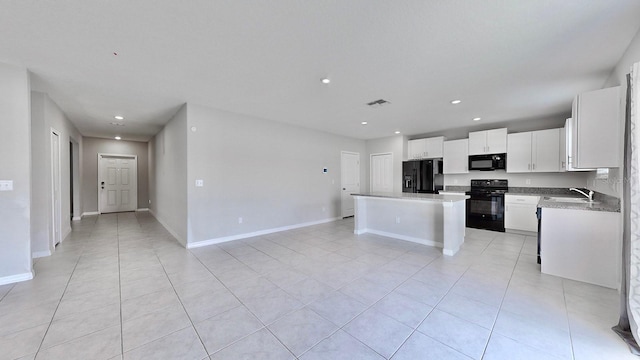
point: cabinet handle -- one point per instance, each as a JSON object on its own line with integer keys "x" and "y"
{"x": 528, "y": 166}
{"x": 533, "y": 167}
{"x": 563, "y": 165}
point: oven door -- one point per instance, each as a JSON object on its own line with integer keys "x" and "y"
{"x": 486, "y": 211}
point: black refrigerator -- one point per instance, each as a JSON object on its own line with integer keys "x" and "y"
{"x": 422, "y": 176}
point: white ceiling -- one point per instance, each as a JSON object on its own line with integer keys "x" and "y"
{"x": 506, "y": 60}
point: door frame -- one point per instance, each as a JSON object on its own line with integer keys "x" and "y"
{"x": 75, "y": 165}
{"x": 371, "y": 168}
{"x": 56, "y": 210}
{"x": 121, "y": 156}
{"x": 342, "y": 185}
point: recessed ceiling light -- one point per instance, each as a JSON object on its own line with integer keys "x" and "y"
{"x": 397, "y": 132}
{"x": 118, "y": 117}
{"x": 325, "y": 80}
{"x": 364, "y": 123}
{"x": 477, "y": 119}
{"x": 117, "y": 138}
{"x": 455, "y": 102}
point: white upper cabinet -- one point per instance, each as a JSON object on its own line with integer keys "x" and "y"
{"x": 563, "y": 150}
{"x": 535, "y": 151}
{"x": 429, "y": 148}
{"x": 595, "y": 135}
{"x": 456, "y": 157}
{"x": 488, "y": 142}
{"x": 417, "y": 149}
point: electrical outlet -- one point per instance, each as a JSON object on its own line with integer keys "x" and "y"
{"x": 199, "y": 183}
{"x": 240, "y": 220}
{"x": 527, "y": 181}
{"x": 397, "y": 219}
{"x": 455, "y": 181}
{"x": 6, "y": 185}
{"x": 324, "y": 209}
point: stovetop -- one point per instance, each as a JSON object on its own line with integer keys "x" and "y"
{"x": 489, "y": 186}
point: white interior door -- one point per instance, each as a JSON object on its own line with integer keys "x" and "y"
{"x": 350, "y": 170}
{"x": 117, "y": 183}
{"x": 56, "y": 201}
{"x": 382, "y": 172}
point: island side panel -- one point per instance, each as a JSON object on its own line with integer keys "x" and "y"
{"x": 360, "y": 215}
{"x": 454, "y": 226}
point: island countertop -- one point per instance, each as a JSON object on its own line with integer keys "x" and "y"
{"x": 414, "y": 196}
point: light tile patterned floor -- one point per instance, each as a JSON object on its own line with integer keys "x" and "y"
{"x": 121, "y": 287}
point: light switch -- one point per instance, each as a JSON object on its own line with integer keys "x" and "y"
{"x": 6, "y": 185}
{"x": 199, "y": 183}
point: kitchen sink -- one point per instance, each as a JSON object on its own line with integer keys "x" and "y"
{"x": 570, "y": 200}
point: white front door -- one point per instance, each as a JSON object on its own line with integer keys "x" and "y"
{"x": 350, "y": 166}
{"x": 56, "y": 201}
{"x": 382, "y": 172}
{"x": 117, "y": 183}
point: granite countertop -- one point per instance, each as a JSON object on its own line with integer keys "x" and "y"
{"x": 415, "y": 196}
{"x": 602, "y": 202}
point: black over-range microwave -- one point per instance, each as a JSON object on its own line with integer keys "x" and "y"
{"x": 488, "y": 162}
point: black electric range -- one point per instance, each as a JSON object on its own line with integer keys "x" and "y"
{"x": 485, "y": 208}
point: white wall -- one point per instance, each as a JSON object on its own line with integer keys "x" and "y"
{"x": 168, "y": 175}
{"x": 393, "y": 144}
{"x": 266, "y": 172}
{"x": 90, "y": 150}
{"x": 46, "y": 115}
{"x": 613, "y": 186}
{"x": 15, "y": 164}
{"x": 553, "y": 180}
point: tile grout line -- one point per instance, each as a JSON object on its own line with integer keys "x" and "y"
{"x": 60, "y": 301}
{"x": 566, "y": 308}
{"x": 502, "y": 301}
{"x": 120, "y": 287}
{"x": 245, "y": 306}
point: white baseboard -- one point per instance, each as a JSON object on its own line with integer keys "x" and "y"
{"x": 257, "y": 233}
{"x": 163, "y": 223}
{"x": 403, "y": 237}
{"x": 76, "y": 218}
{"x": 89, "y": 213}
{"x": 143, "y": 209}
{"x": 66, "y": 233}
{"x": 16, "y": 278}
{"x": 39, "y": 254}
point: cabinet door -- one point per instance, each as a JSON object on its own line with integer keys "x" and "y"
{"x": 563, "y": 150}
{"x": 417, "y": 149}
{"x": 477, "y": 142}
{"x": 434, "y": 147}
{"x": 545, "y": 152}
{"x": 497, "y": 141}
{"x": 456, "y": 157}
{"x": 520, "y": 217}
{"x": 597, "y": 123}
{"x": 519, "y": 152}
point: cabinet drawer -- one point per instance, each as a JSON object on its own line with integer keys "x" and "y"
{"x": 521, "y": 199}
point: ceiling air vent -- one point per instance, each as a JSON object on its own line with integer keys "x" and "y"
{"x": 378, "y": 103}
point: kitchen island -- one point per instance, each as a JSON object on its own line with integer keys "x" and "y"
{"x": 429, "y": 219}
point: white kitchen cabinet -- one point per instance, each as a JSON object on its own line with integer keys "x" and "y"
{"x": 434, "y": 147}
{"x": 534, "y": 151}
{"x": 456, "y": 157}
{"x": 488, "y": 142}
{"x": 417, "y": 149}
{"x": 581, "y": 245}
{"x": 563, "y": 150}
{"x": 520, "y": 212}
{"x": 595, "y": 136}
{"x": 429, "y": 148}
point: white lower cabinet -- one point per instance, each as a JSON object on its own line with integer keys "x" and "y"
{"x": 520, "y": 212}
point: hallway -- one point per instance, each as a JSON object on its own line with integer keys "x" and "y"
{"x": 121, "y": 286}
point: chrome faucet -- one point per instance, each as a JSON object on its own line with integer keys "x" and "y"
{"x": 589, "y": 196}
